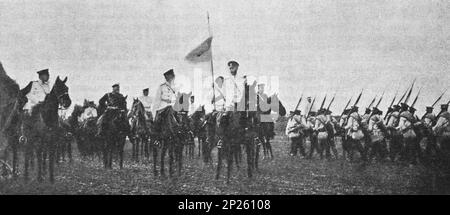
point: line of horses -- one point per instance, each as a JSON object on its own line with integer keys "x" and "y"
{"x": 43, "y": 139}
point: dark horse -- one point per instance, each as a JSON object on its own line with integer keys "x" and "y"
{"x": 115, "y": 132}
{"x": 84, "y": 132}
{"x": 235, "y": 129}
{"x": 140, "y": 131}
{"x": 199, "y": 130}
{"x": 40, "y": 127}
{"x": 170, "y": 129}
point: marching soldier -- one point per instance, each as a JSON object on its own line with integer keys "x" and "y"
{"x": 442, "y": 130}
{"x": 322, "y": 134}
{"x": 234, "y": 87}
{"x": 345, "y": 138}
{"x": 377, "y": 130}
{"x": 310, "y": 123}
{"x": 395, "y": 145}
{"x": 294, "y": 131}
{"x": 406, "y": 128}
{"x": 331, "y": 128}
{"x": 428, "y": 142}
{"x": 355, "y": 133}
{"x": 36, "y": 91}
{"x": 112, "y": 100}
{"x": 146, "y": 100}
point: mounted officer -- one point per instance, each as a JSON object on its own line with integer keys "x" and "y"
{"x": 234, "y": 87}
{"x": 36, "y": 91}
{"x": 146, "y": 101}
{"x": 165, "y": 98}
{"x": 111, "y": 100}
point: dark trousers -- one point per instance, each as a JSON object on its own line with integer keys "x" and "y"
{"x": 296, "y": 144}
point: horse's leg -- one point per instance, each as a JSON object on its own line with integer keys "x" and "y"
{"x": 69, "y": 150}
{"x": 171, "y": 158}
{"x": 51, "y": 162}
{"x": 39, "y": 156}
{"x": 121, "y": 145}
{"x": 14, "y": 158}
{"x": 257, "y": 150}
{"x": 155, "y": 158}
{"x": 180, "y": 159}
{"x": 219, "y": 162}
{"x": 163, "y": 155}
{"x": 199, "y": 140}
{"x": 27, "y": 157}
{"x": 229, "y": 154}
{"x": 250, "y": 162}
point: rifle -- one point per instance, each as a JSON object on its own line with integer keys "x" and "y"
{"x": 415, "y": 100}
{"x": 439, "y": 98}
{"x": 323, "y": 102}
{"x": 310, "y": 108}
{"x": 409, "y": 93}
{"x": 373, "y": 101}
{"x": 393, "y": 100}
{"x": 359, "y": 97}
{"x": 346, "y": 107}
{"x": 404, "y": 94}
{"x": 298, "y": 103}
{"x": 332, "y": 100}
{"x": 381, "y": 98}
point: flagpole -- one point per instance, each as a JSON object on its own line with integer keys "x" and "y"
{"x": 212, "y": 65}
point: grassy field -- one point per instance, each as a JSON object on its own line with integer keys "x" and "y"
{"x": 282, "y": 175}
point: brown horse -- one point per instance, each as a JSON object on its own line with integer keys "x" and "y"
{"x": 115, "y": 132}
{"x": 9, "y": 118}
{"x": 238, "y": 128}
{"x": 140, "y": 131}
{"x": 40, "y": 127}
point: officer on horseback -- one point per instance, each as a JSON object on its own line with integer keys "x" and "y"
{"x": 110, "y": 100}
{"x": 234, "y": 87}
{"x": 165, "y": 96}
{"x": 146, "y": 100}
{"x": 36, "y": 91}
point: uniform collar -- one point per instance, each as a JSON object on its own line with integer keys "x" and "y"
{"x": 42, "y": 83}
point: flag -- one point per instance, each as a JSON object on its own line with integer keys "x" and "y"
{"x": 202, "y": 53}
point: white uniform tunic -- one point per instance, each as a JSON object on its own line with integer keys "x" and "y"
{"x": 147, "y": 102}
{"x": 165, "y": 96}
{"x": 37, "y": 94}
{"x": 219, "y": 94}
{"x": 87, "y": 113}
{"x": 234, "y": 89}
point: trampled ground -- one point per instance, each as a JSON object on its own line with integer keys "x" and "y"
{"x": 282, "y": 175}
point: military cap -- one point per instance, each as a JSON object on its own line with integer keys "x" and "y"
{"x": 404, "y": 105}
{"x": 412, "y": 109}
{"x": 116, "y": 85}
{"x": 43, "y": 72}
{"x": 346, "y": 111}
{"x": 354, "y": 108}
{"x": 367, "y": 110}
{"x": 169, "y": 72}
{"x": 375, "y": 110}
{"x": 430, "y": 109}
{"x": 328, "y": 112}
{"x": 396, "y": 107}
{"x": 444, "y": 106}
{"x": 145, "y": 90}
{"x": 312, "y": 113}
{"x": 232, "y": 63}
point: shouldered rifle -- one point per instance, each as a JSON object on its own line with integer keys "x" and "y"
{"x": 404, "y": 94}
{"x": 346, "y": 107}
{"x": 298, "y": 104}
{"x": 323, "y": 102}
{"x": 332, "y": 100}
{"x": 359, "y": 97}
{"x": 392, "y": 103}
{"x": 438, "y": 99}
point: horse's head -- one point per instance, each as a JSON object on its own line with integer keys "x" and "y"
{"x": 61, "y": 91}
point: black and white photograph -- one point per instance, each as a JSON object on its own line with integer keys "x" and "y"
{"x": 224, "y": 98}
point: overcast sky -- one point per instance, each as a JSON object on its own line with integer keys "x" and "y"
{"x": 314, "y": 46}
